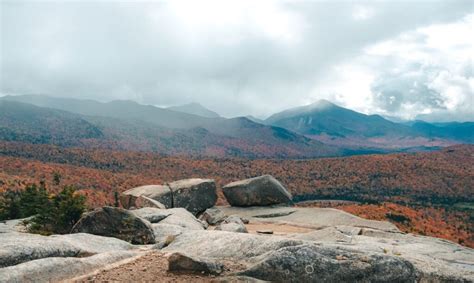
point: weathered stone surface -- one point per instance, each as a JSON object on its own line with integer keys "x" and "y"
{"x": 226, "y": 245}
{"x": 237, "y": 279}
{"x": 160, "y": 193}
{"x": 232, "y": 227}
{"x": 311, "y": 217}
{"x": 162, "y": 231}
{"x": 144, "y": 201}
{"x": 16, "y": 248}
{"x": 232, "y": 223}
{"x": 311, "y": 263}
{"x": 118, "y": 223}
{"x": 54, "y": 269}
{"x": 152, "y": 214}
{"x": 330, "y": 234}
{"x": 14, "y": 225}
{"x": 182, "y": 217}
{"x": 259, "y": 191}
{"x": 93, "y": 244}
{"x": 212, "y": 216}
{"x": 434, "y": 259}
{"x": 177, "y": 220}
{"x": 178, "y": 262}
{"x": 195, "y": 195}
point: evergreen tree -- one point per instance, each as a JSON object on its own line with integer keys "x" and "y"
{"x": 69, "y": 207}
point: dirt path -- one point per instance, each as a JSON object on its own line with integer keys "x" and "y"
{"x": 153, "y": 266}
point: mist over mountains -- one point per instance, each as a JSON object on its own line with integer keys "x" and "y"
{"x": 316, "y": 130}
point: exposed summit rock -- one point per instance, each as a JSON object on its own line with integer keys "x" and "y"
{"x": 118, "y": 223}
{"x": 259, "y": 191}
{"x": 311, "y": 263}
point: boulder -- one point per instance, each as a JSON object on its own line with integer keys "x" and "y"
{"x": 312, "y": 263}
{"x": 196, "y": 195}
{"x": 144, "y": 201}
{"x": 118, "y": 223}
{"x": 152, "y": 214}
{"x": 232, "y": 227}
{"x": 212, "y": 215}
{"x": 260, "y": 191}
{"x": 183, "y": 263}
{"x": 232, "y": 223}
{"x": 159, "y": 193}
{"x": 163, "y": 231}
{"x": 183, "y": 218}
{"x": 173, "y": 221}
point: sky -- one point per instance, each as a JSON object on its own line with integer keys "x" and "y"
{"x": 400, "y": 59}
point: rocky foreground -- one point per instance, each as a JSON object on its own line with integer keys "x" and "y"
{"x": 173, "y": 232}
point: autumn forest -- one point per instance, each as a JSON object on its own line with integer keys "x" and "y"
{"x": 426, "y": 193}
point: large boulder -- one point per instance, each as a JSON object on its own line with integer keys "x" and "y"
{"x": 118, "y": 223}
{"x": 312, "y": 263}
{"x": 212, "y": 216}
{"x": 179, "y": 262}
{"x": 152, "y": 214}
{"x": 183, "y": 218}
{"x": 159, "y": 193}
{"x": 169, "y": 222}
{"x": 144, "y": 201}
{"x": 259, "y": 191}
{"x": 196, "y": 195}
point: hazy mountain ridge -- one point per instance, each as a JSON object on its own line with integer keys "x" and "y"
{"x": 324, "y": 117}
{"x": 332, "y": 124}
{"x": 28, "y": 123}
{"x": 319, "y": 129}
{"x": 195, "y": 109}
{"x": 140, "y": 132}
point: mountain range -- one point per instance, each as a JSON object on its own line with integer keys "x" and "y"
{"x": 319, "y": 129}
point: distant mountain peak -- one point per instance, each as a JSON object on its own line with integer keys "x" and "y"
{"x": 321, "y": 104}
{"x": 195, "y": 109}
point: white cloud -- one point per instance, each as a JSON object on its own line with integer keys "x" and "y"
{"x": 362, "y": 13}
{"x": 426, "y": 73}
{"x": 242, "y": 57}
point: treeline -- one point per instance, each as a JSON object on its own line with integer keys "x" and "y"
{"x": 46, "y": 213}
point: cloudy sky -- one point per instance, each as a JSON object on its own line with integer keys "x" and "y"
{"x": 403, "y": 59}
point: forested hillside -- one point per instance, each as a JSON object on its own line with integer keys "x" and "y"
{"x": 442, "y": 180}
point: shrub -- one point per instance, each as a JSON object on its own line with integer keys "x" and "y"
{"x": 52, "y": 214}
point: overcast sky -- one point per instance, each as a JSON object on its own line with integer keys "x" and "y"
{"x": 404, "y": 59}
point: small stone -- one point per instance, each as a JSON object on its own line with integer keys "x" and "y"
{"x": 265, "y": 232}
{"x": 180, "y": 262}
